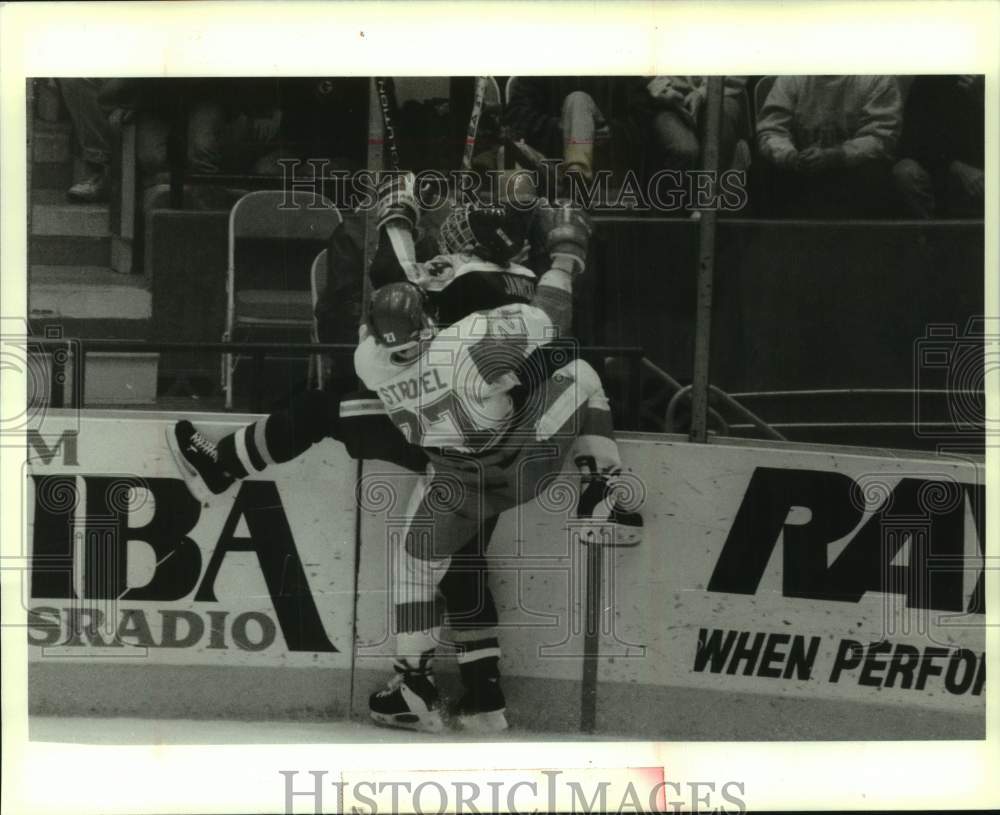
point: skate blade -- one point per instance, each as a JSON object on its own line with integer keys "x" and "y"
{"x": 426, "y": 723}
{"x": 195, "y": 484}
{"x": 492, "y": 722}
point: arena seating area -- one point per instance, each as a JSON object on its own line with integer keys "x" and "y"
{"x": 820, "y": 320}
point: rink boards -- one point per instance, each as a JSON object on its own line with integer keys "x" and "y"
{"x": 781, "y": 591}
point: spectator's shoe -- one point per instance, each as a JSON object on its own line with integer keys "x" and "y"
{"x": 93, "y": 190}
{"x": 197, "y": 458}
{"x": 410, "y": 701}
{"x": 482, "y": 708}
{"x": 607, "y": 519}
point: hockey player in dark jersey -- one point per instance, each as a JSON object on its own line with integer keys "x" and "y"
{"x": 468, "y": 257}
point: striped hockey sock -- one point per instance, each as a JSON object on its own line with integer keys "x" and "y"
{"x": 245, "y": 451}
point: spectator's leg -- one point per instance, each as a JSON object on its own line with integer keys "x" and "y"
{"x": 852, "y": 192}
{"x": 93, "y": 133}
{"x": 961, "y": 202}
{"x": 151, "y": 133}
{"x": 732, "y": 112}
{"x": 914, "y": 187}
{"x": 730, "y": 125}
{"x": 243, "y": 152}
{"x": 580, "y": 120}
{"x": 206, "y": 135}
{"x": 676, "y": 140}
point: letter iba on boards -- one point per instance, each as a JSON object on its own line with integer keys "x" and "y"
{"x": 181, "y": 571}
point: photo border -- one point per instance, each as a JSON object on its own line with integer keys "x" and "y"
{"x": 267, "y": 39}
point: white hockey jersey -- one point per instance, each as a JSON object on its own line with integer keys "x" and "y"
{"x": 456, "y": 394}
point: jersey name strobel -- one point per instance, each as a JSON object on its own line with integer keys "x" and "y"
{"x": 412, "y": 388}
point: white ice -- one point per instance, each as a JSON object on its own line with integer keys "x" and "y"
{"x": 132, "y": 731}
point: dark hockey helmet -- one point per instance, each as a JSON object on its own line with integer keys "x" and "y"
{"x": 493, "y": 233}
{"x": 397, "y": 316}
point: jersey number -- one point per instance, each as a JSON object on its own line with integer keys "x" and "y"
{"x": 444, "y": 418}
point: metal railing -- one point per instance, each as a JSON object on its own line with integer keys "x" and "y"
{"x": 726, "y": 413}
{"x": 70, "y": 356}
{"x": 827, "y": 394}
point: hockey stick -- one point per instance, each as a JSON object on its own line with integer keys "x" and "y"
{"x": 400, "y": 238}
{"x": 501, "y": 103}
{"x": 473, "y": 129}
{"x": 386, "y": 90}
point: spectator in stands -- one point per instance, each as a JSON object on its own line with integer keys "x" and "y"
{"x": 323, "y": 118}
{"x": 678, "y": 118}
{"x": 826, "y": 143}
{"x": 566, "y": 116}
{"x": 93, "y": 135}
{"x": 230, "y": 124}
{"x": 942, "y": 147}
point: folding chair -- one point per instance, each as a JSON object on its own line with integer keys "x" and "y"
{"x": 317, "y": 279}
{"x": 273, "y": 235}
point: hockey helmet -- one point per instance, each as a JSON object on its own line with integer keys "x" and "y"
{"x": 493, "y": 233}
{"x": 397, "y": 316}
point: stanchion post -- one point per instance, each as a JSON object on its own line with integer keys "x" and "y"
{"x": 591, "y": 634}
{"x": 706, "y": 267}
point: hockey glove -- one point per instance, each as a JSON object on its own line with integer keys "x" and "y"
{"x": 397, "y": 201}
{"x": 567, "y": 230}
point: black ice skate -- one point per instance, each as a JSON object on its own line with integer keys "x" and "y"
{"x": 606, "y": 519}
{"x": 197, "y": 458}
{"x": 482, "y": 708}
{"x": 409, "y": 701}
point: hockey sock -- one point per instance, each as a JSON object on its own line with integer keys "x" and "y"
{"x": 471, "y": 611}
{"x": 280, "y": 437}
{"x": 240, "y": 452}
{"x": 478, "y": 659}
{"x": 415, "y": 614}
{"x": 415, "y": 649}
{"x": 596, "y": 449}
{"x": 479, "y": 666}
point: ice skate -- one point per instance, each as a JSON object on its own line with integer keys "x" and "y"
{"x": 197, "y": 458}
{"x": 600, "y": 514}
{"x": 410, "y": 701}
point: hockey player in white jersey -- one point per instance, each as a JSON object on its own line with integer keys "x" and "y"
{"x": 497, "y": 407}
{"x": 473, "y": 269}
